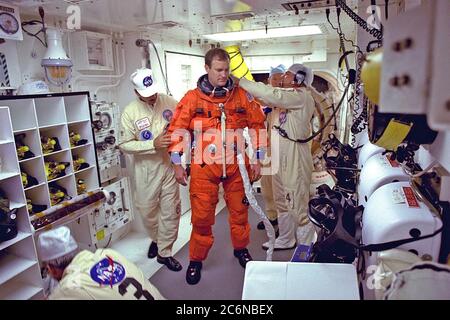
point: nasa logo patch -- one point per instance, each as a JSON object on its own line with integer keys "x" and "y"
{"x": 146, "y": 135}
{"x": 108, "y": 272}
{"x": 148, "y": 81}
{"x": 250, "y": 97}
{"x": 168, "y": 115}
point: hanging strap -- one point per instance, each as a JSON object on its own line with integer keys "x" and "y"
{"x": 394, "y": 244}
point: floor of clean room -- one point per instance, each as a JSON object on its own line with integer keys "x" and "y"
{"x": 134, "y": 245}
{"x": 222, "y": 276}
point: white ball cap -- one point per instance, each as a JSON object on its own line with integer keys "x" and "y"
{"x": 309, "y": 78}
{"x": 144, "y": 82}
{"x": 56, "y": 243}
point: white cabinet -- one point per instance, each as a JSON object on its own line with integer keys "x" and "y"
{"x": 439, "y": 115}
{"x": 28, "y": 121}
{"x": 19, "y": 267}
{"x": 92, "y": 51}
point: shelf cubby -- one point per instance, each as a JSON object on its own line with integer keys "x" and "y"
{"x": 24, "y": 286}
{"x": 12, "y": 190}
{"x": 59, "y": 132}
{"x": 38, "y": 196}
{"x": 63, "y": 156}
{"x": 16, "y": 259}
{"x": 76, "y": 110}
{"x": 20, "y": 236}
{"x": 23, "y": 115}
{"x": 83, "y": 129}
{"x": 8, "y": 161}
{"x": 23, "y": 222}
{"x": 6, "y": 130}
{"x": 87, "y": 153}
{"x": 67, "y": 183}
{"x": 34, "y": 168}
{"x": 50, "y": 111}
{"x": 90, "y": 178}
{"x": 31, "y": 139}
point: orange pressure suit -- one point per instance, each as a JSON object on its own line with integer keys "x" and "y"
{"x": 200, "y": 113}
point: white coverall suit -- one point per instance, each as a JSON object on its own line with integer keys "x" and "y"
{"x": 157, "y": 196}
{"x": 103, "y": 275}
{"x": 293, "y": 110}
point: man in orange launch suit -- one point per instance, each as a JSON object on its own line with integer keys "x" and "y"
{"x": 214, "y": 112}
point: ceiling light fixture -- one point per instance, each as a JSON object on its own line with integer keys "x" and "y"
{"x": 265, "y": 33}
{"x": 57, "y": 65}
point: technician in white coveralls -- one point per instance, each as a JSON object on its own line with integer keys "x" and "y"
{"x": 103, "y": 275}
{"x": 293, "y": 110}
{"x": 143, "y": 135}
{"x": 275, "y": 80}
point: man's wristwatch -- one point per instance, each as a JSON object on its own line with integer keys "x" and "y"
{"x": 260, "y": 153}
{"x": 175, "y": 157}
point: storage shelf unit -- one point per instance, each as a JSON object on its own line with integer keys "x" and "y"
{"x": 29, "y": 119}
{"x": 19, "y": 270}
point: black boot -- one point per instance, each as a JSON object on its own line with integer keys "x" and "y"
{"x": 243, "y": 256}
{"x": 260, "y": 226}
{"x": 275, "y": 226}
{"x": 193, "y": 273}
{"x": 152, "y": 250}
{"x": 170, "y": 263}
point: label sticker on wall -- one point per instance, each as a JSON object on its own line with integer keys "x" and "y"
{"x": 398, "y": 196}
{"x": 100, "y": 235}
{"x": 392, "y": 163}
{"x": 410, "y": 198}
